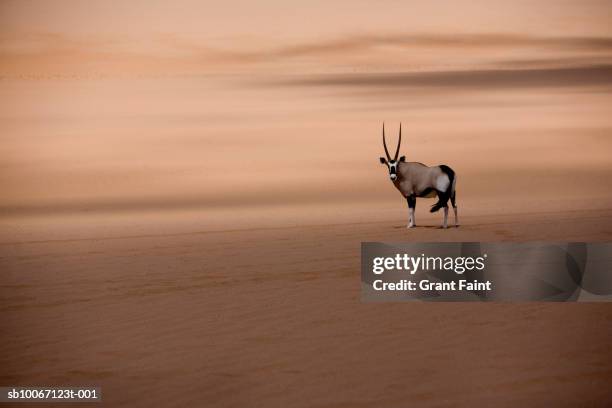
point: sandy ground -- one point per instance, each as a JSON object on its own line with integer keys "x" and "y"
{"x": 272, "y": 317}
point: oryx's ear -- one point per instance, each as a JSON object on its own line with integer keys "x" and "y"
{"x": 383, "y": 160}
{"x": 403, "y": 158}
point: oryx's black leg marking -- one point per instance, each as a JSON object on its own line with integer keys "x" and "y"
{"x": 411, "y": 201}
{"x": 411, "y": 207}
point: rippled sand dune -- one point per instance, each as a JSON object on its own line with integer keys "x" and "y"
{"x": 272, "y": 316}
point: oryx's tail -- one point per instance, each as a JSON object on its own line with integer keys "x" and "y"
{"x": 438, "y": 205}
{"x": 444, "y": 196}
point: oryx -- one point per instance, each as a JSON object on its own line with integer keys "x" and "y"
{"x": 414, "y": 179}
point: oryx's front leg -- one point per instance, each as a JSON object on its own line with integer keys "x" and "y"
{"x": 411, "y": 207}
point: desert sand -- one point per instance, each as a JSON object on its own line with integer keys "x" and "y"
{"x": 273, "y": 317}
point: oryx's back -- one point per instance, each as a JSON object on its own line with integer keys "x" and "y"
{"x": 417, "y": 177}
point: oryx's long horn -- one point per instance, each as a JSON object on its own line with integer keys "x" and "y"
{"x": 399, "y": 142}
{"x": 385, "y": 143}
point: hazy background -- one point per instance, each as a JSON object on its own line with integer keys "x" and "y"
{"x": 267, "y": 112}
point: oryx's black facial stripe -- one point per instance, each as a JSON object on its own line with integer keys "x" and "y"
{"x": 393, "y": 167}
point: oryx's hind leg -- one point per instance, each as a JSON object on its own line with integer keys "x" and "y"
{"x": 443, "y": 197}
{"x": 452, "y": 199}
{"x": 411, "y": 207}
{"x": 445, "y": 224}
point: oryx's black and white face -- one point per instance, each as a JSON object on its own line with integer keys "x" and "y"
{"x": 392, "y": 164}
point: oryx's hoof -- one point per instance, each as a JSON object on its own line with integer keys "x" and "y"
{"x": 411, "y": 226}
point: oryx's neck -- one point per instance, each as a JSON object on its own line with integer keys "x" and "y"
{"x": 399, "y": 175}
